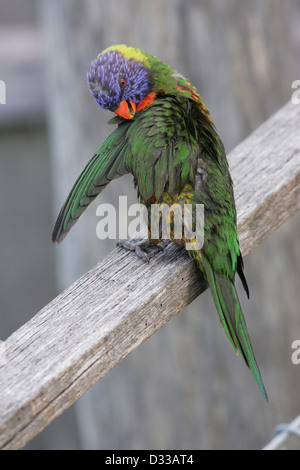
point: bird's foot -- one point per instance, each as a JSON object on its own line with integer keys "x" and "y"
{"x": 140, "y": 247}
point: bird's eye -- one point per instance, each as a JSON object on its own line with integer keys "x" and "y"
{"x": 122, "y": 82}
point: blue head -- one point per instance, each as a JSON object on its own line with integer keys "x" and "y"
{"x": 120, "y": 74}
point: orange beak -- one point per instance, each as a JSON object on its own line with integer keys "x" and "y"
{"x": 126, "y": 109}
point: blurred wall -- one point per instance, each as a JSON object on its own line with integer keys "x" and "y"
{"x": 27, "y": 277}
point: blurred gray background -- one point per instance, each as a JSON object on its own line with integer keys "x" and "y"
{"x": 183, "y": 388}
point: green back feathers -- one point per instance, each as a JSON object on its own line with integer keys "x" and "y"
{"x": 163, "y": 151}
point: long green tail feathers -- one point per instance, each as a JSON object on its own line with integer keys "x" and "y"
{"x": 232, "y": 319}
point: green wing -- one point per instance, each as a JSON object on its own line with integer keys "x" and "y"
{"x": 106, "y": 164}
{"x": 156, "y": 147}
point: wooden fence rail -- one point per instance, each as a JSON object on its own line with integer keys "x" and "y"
{"x": 52, "y": 360}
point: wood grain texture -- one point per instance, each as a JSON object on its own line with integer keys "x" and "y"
{"x": 77, "y": 338}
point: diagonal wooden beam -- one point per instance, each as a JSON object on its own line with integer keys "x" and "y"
{"x": 51, "y": 361}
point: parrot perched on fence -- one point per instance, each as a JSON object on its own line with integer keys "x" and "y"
{"x": 167, "y": 140}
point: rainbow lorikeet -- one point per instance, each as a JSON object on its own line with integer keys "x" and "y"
{"x": 167, "y": 140}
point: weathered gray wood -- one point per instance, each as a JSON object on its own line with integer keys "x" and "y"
{"x": 76, "y": 339}
{"x": 266, "y": 202}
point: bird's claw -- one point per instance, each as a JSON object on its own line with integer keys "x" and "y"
{"x": 139, "y": 246}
